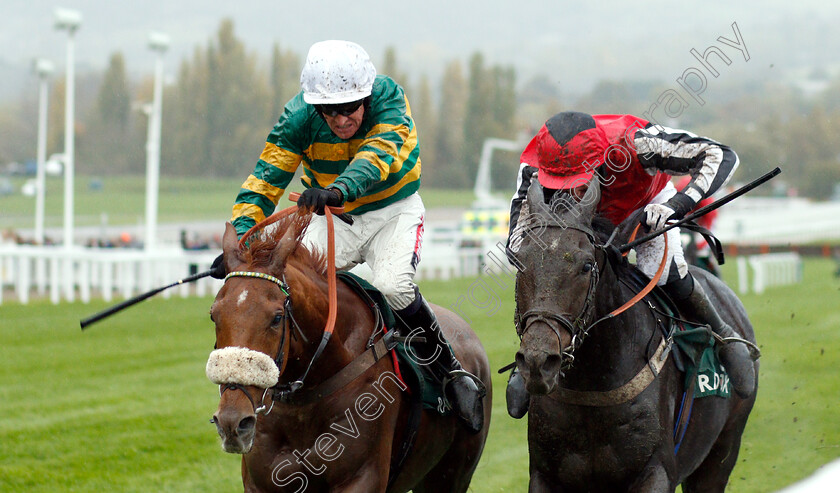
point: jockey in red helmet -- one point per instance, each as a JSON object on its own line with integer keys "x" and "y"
{"x": 634, "y": 160}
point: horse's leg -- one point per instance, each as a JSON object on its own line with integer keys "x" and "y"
{"x": 455, "y": 469}
{"x": 247, "y": 484}
{"x": 713, "y": 473}
{"x": 540, "y": 484}
{"x": 655, "y": 480}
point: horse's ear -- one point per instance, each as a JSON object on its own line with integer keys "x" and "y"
{"x": 590, "y": 199}
{"x": 285, "y": 246}
{"x": 230, "y": 247}
{"x": 535, "y": 194}
{"x": 229, "y": 241}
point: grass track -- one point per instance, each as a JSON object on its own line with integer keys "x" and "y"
{"x": 125, "y": 405}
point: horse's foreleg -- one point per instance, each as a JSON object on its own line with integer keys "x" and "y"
{"x": 540, "y": 484}
{"x": 656, "y": 479}
{"x": 247, "y": 484}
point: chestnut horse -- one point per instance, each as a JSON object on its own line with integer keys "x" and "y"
{"x": 605, "y": 392}
{"x": 280, "y": 406}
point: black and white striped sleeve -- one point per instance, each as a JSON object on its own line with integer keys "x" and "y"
{"x": 523, "y": 181}
{"x": 678, "y": 152}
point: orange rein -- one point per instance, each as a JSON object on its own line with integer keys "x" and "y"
{"x": 641, "y": 294}
{"x": 331, "y": 280}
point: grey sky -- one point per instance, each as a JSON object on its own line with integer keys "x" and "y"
{"x": 575, "y": 43}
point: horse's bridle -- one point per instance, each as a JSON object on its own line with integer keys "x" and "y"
{"x": 286, "y": 392}
{"x": 578, "y": 327}
{"x": 283, "y": 346}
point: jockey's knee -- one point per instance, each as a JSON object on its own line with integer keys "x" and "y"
{"x": 399, "y": 291}
{"x": 680, "y": 288}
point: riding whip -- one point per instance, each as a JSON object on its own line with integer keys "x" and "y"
{"x": 129, "y": 302}
{"x": 703, "y": 210}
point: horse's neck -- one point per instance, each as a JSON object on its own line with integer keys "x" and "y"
{"x": 310, "y": 307}
{"x": 612, "y": 347}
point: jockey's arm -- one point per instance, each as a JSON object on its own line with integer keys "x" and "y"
{"x": 262, "y": 190}
{"x": 678, "y": 152}
{"x": 387, "y": 148}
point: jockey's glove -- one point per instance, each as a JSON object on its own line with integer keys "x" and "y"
{"x": 317, "y": 198}
{"x": 657, "y": 215}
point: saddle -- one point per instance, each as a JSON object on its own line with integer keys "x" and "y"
{"x": 416, "y": 377}
{"x": 694, "y": 344}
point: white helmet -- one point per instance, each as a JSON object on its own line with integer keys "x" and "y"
{"x": 336, "y": 72}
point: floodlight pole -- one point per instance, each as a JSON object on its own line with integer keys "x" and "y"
{"x": 159, "y": 43}
{"x": 69, "y": 20}
{"x": 43, "y": 68}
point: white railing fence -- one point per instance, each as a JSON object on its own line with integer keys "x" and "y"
{"x": 769, "y": 269}
{"x": 61, "y": 274}
{"x": 67, "y": 274}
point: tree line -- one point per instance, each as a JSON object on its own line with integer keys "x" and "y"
{"x": 225, "y": 99}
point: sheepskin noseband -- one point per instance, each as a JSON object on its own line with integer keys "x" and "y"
{"x": 243, "y": 366}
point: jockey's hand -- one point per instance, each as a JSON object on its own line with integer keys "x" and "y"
{"x": 217, "y": 269}
{"x": 657, "y": 215}
{"x": 317, "y": 198}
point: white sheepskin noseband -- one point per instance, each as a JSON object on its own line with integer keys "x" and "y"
{"x": 243, "y": 366}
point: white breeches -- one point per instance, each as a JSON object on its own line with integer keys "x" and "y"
{"x": 389, "y": 240}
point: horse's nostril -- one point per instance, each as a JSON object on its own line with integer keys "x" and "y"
{"x": 552, "y": 364}
{"x": 520, "y": 359}
{"x": 521, "y": 363}
{"x": 247, "y": 423}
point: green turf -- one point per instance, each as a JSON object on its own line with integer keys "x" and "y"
{"x": 125, "y": 405}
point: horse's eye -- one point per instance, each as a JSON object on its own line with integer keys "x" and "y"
{"x": 587, "y": 267}
{"x": 277, "y": 320}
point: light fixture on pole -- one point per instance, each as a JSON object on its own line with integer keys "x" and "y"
{"x": 68, "y": 20}
{"x": 43, "y": 68}
{"x": 159, "y": 43}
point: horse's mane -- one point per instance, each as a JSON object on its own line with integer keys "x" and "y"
{"x": 603, "y": 229}
{"x": 260, "y": 247}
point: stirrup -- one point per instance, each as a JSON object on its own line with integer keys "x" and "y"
{"x": 453, "y": 374}
{"x": 754, "y": 351}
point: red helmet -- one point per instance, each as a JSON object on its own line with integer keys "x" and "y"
{"x": 566, "y": 150}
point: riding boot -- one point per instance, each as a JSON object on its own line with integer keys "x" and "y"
{"x": 516, "y": 395}
{"x": 463, "y": 390}
{"x": 733, "y": 350}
